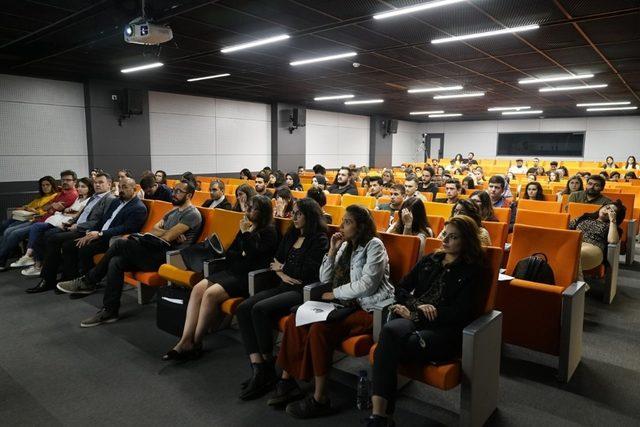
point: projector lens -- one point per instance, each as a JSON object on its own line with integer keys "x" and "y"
{"x": 129, "y": 30}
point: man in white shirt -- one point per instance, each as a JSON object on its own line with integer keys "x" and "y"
{"x": 519, "y": 168}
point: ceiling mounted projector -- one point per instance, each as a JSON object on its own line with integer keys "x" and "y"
{"x": 141, "y": 31}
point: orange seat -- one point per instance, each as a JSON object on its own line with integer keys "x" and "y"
{"x": 334, "y": 199}
{"x": 438, "y": 209}
{"x": 436, "y": 222}
{"x": 299, "y": 194}
{"x": 200, "y": 197}
{"x": 498, "y": 232}
{"x": 539, "y": 205}
{"x": 547, "y": 220}
{"x": 336, "y": 212}
{"x": 366, "y": 201}
{"x": 431, "y": 245}
{"x": 502, "y": 214}
{"x": 381, "y": 219}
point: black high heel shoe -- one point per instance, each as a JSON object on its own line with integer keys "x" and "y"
{"x": 176, "y": 355}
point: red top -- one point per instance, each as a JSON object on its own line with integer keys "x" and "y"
{"x": 67, "y": 197}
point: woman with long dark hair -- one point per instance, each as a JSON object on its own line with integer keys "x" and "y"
{"x": 631, "y": 163}
{"x": 244, "y": 193}
{"x": 296, "y": 263}
{"x": 292, "y": 181}
{"x": 434, "y": 303}
{"x": 413, "y": 221}
{"x": 609, "y": 163}
{"x": 246, "y": 174}
{"x": 161, "y": 177}
{"x": 387, "y": 178}
{"x": 47, "y": 191}
{"x": 469, "y": 208}
{"x": 573, "y": 184}
{"x": 533, "y": 191}
{"x": 284, "y": 203}
{"x": 357, "y": 266}
{"x": 252, "y": 249}
{"x": 485, "y": 207}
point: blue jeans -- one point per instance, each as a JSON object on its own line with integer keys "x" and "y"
{"x": 11, "y": 239}
{"x": 36, "y": 235}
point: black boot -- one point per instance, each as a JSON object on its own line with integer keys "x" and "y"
{"x": 262, "y": 381}
{"x": 42, "y": 286}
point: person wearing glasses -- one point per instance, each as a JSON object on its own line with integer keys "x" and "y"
{"x": 217, "y": 200}
{"x": 178, "y": 229}
{"x": 296, "y": 263}
{"x": 433, "y": 303}
{"x": 252, "y": 249}
{"x": 12, "y": 237}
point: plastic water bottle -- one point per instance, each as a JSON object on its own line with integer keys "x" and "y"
{"x": 363, "y": 391}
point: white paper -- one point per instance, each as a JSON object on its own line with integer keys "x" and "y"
{"x": 504, "y": 278}
{"x": 313, "y": 311}
{"x": 173, "y": 300}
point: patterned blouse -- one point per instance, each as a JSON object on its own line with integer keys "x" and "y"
{"x": 593, "y": 231}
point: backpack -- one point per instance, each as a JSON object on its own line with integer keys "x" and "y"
{"x": 535, "y": 268}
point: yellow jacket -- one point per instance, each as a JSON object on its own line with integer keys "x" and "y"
{"x": 38, "y": 203}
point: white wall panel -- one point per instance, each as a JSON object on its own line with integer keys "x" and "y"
{"x": 42, "y": 128}
{"x": 173, "y": 134}
{"x": 407, "y": 143}
{"x": 336, "y": 139}
{"x": 243, "y": 110}
{"x": 326, "y": 118}
{"x": 162, "y": 102}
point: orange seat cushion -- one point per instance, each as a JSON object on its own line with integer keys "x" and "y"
{"x": 282, "y": 323}
{"x": 178, "y": 276}
{"x": 444, "y": 376}
{"x": 357, "y": 346}
{"x": 97, "y": 258}
{"x": 150, "y": 278}
{"x": 231, "y": 305}
{"x": 130, "y": 279}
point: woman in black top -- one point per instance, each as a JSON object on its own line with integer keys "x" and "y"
{"x": 533, "y": 191}
{"x": 434, "y": 303}
{"x": 244, "y": 193}
{"x": 252, "y": 249}
{"x": 297, "y": 263}
{"x": 292, "y": 180}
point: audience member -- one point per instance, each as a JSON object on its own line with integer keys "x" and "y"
{"x": 161, "y": 177}
{"x": 553, "y": 176}
{"x": 276, "y": 180}
{"x": 452, "y": 189}
{"x": 519, "y": 168}
{"x": 387, "y": 178}
{"x": 573, "y": 184}
{"x": 427, "y": 185}
{"x": 178, "y": 229}
{"x": 319, "y": 170}
{"x": 434, "y": 303}
{"x": 398, "y": 194}
{"x": 497, "y": 188}
{"x": 468, "y": 183}
{"x": 479, "y": 174}
{"x": 261, "y": 185}
{"x": 320, "y": 182}
{"x": 470, "y": 209}
{"x": 342, "y": 184}
{"x": 292, "y": 180}
{"x": 218, "y": 199}
{"x": 320, "y": 198}
{"x": 296, "y": 263}
{"x": 592, "y": 193}
{"x": 630, "y": 175}
{"x": 615, "y": 176}
{"x": 375, "y": 187}
{"x": 562, "y": 172}
{"x": 413, "y": 221}
{"x": 485, "y": 207}
{"x": 252, "y": 249}
{"x": 533, "y": 191}
{"x": 300, "y": 170}
{"x": 609, "y": 163}
{"x": 411, "y": 188}
{"x": 47, "y": 191}
{"x": 284, "y": 203}
{"x": 631, "y": 164}
{"x": 246, "y": 174}
{"x": 154, "y": 191}
{"x": 469, "y": 160}
{"x": 243, "y": 193}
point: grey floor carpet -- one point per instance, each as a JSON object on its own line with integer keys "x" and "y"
{"x": 52, "y": 372}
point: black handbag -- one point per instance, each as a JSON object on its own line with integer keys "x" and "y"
{"x": 172, "y": 308}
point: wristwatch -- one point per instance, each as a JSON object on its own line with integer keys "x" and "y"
{"x": 100, "y": 234}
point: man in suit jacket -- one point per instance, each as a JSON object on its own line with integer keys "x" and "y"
{"x": 75, "y": 248}
{"x": 217, "y": 200}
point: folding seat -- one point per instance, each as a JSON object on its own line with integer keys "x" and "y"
{"x": 548, "y": 220}
{"x": 299, "y": 194}
{"x": 362, "y": 191}
{"x": 230, "y": 189}
{"x": 431, "y": 245}
{"x": 366, "y": 201}
{"x": 334, "y": 199}
{"x": 381, "y": 219}
{"x": 539, "y": 205}
{"x": 428, "y": 195}
{"x": 542, "y": 317}
{"x": 477, "y": 371}
{"x": 336, "y": 212}
{"x": 438, "y": 209}
{"x": 502, "y": 214}
{"x": 199, "y": 197}
{"x": 231, "y": 198}
{"x": 436, "y": 222}
{"x": 498, "y": 232}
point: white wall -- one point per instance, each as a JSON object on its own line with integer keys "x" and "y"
{"x": 42, "y": 128}
{"x": 407, "y": 143}
{"x": 336, "y": 139}
{"x": 208, "y": 135}
{"x": 617, "y": 136}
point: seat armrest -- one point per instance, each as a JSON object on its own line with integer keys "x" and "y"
{"x": 314, "y": 291}
{"x": 175, "y": 259}
{"x": 380, "y": 310}
{"x": 260, "y": 280}
{"x": 631, "y": 242}
{"x": 571, "y": 322}
{"x": 611, "y": 272}
{"x": 481, "y": 345}
{"x": 213, "y": 265}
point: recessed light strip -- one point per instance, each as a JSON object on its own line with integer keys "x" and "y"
{"x": 255, "y": 43}
{"x": 413, "y": 9}
{"x": 197, "y": 79}
{"x": 513, "y": 113}
{"x": 508, "y": 108}
{"x": 612, "y": 108}
{"x": 364, "y": 101}
{"x": 461, "y": 95}
{"x": 603, "y": 104}
{"x": 142, "y": 67}
{"x": 486, "y": 34}
{"x": 435, "y": 89}
{"x": 561, "y": 88}
{"x": 446, "y": 115}
{"x": 331, "y": 97}
{"x": 420, "y": 113}
{"x": 322, "y": 59}
{"x": 555, "y": 79}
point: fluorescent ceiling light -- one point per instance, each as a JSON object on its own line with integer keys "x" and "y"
{"x": 560, "y": 88}
{"x": 142, "y": 67}
{"x": 255, "y": 43}
{"x": 435, "y": 89}
{"x": 603, "y": 104}
{"x": 555, "y": 79}
{"x": 446, "y": 115}
{"x": 364, "y": 101}
{"x": 419, "y": 113}
{"x": 461, "y": 95}
{"x": 612, "y": 108}
{"x": 487, "y": 34}
{"x": 323, "y": 58}
{"x": 197, "y": 79}
{"x": 508, "y": 108}
{"x": 328, "y": 98}
{"x": 513, "y": 113}
{"x": 413, "y": 9}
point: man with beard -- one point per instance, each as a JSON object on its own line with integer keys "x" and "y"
{"x": 261, "y": 185}
{"x": 178, "y": 229}
{"x": 342, "y": 184}
{"x": 592, "y": 194}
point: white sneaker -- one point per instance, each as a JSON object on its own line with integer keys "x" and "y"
{"x": 32, "y": 271}
{"x": 25, "y": 261}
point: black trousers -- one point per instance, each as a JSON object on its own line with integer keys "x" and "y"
{"x": 123, "y": 255}
{"x": 256, "y": 316}
{"x": 400, "y": 344}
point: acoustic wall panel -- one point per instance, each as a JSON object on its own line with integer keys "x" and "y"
{"x": 407, "y": 143}
{"x": 336, "y": 139}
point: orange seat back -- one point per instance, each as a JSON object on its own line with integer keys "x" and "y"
{"x": 362, "y": 191}
{"x": 436, "y": 222}
{"x": 539, "y": 205}
{"x": 208, "y": 218}
{"x": 627, "y": 199}
{"x": 230, "y": 189}
{"x": 366, "y": 201}
{"x": 299, "y": 194}
{"x": 336, "y": 212}
{"x": 502, "y": 214}
{"x": 438, "y": 209}
{"x": 231, "y": 198}
{"x": 486, "y": 295}
{"x": 334, "y": 199}
{"x": 548, "y": 220}
{"x": 199, "y": 197}
{"x": 381, "y": 219}
{"x": 561, "y": 247}
{"x": 498, "y": 231}
{"x": 427, "y": 195}
{"x": 403, "y": 252}
{"x": 226, "y": 225}
{"x": 155, "y": 211}
{"x": 576, "y": 210}
{"x": 431, "y": 245}
{"x": 283, "y": 225}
